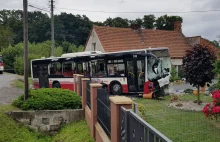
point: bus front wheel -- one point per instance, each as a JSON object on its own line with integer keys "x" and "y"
{"x": 56, "y": 85}
{"x": 116, "y": 88}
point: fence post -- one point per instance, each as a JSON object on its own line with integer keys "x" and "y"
{"x": 84, "y": 85}
{"x": 79, "y": 85}
{"x": 136, "y": 108}
{"x": 74, "y": 82}
{"x": 116, "y": 103}
{"x": 93, "y": 90}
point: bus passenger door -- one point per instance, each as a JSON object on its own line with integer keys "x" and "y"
{"x": 136, "y": 74}
{"x": 132, "y": 83}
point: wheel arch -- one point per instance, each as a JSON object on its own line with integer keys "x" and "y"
{"x": 55, "y": 81}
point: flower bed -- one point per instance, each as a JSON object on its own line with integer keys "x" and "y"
{"x": 212, "y": 110}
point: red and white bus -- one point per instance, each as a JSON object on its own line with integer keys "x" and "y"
{"x": 132, "y": 71}
{"x": 55, "y": 72}
{"x": 1, "y": 65}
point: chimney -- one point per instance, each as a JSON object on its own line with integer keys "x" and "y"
{"x": 178, "y": 26}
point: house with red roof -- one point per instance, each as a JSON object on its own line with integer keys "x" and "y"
{"x": 112, "y": 39}
{"x": 204, "y": 42}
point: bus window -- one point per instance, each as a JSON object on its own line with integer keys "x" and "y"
{"x": 86, "y": 70}
{"x": 98, "y": 68}
{"x": 39, "y": 69}
{"x": 56, "y": 68}
{"x": 36, "y": 70}
{"x": 68, "y": 69}
{"x": 80, "y": 68}
{"x": 116, "y": 68}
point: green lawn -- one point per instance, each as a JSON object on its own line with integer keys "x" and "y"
{"x": 20, "y": 84}
{"x": 10, "y": 131}
{"x": 178, "y": 125}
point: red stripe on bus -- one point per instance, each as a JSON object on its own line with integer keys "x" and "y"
{"x": 148, "y": 87}
{"x": 69, "y": 86}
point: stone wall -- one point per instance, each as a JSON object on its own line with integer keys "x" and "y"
{"x": 47, "y": 120}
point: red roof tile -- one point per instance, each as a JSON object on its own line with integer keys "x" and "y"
{"x": 118, "y": 39}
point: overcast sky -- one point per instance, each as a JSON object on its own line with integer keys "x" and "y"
{"x": 206, "y": 24}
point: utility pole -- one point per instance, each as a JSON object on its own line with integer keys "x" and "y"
{"x": 25, "y": 22}
{"x": 52, "y": 28}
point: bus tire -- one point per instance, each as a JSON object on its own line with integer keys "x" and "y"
{"x": 1, "y": 72}
{"x": 56, "y": 85}
{"x": 116, "y": 88}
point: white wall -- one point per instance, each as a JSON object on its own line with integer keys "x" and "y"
{"x": 177, "y": 61}
{"x": 94, "y": 39}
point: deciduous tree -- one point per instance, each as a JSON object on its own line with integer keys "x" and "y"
{"x": 198, "y": 65}
{"x": 6, "y": 37}
{"x": 167, "y": 22}
{"x": 149, "y": 21}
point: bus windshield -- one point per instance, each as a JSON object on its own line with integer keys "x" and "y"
{"x": 158, "y": 69}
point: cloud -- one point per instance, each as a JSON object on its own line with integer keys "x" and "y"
{"x": 204, "y": 24}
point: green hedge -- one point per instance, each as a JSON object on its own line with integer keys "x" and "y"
{"x": 49, "y": 99}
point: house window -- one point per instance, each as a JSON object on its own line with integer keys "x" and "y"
{"x": 93, "y": 46}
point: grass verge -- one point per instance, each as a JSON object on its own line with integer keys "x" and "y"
{"x": 179, "y": 125}
{"x": 20, "y": 83}
{"x": 75, "y": 132}
{"x": 16, "y": 132}
{"x": 10, "y": 131}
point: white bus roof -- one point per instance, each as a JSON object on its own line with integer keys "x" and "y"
{"x": 136, "y": 50}
{"x": 81, "y": 53}
{"x": 94, "y": 53}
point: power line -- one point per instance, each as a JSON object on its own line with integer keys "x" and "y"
{"x": 38, "y": 8}
{"x": 130, "y": 12}
{"x": 57, "y": 9}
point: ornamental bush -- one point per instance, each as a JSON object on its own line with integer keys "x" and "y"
{"x": 198, "y": 66}
{"x": 49, "y": 99}
{"x": 212, "y": 110}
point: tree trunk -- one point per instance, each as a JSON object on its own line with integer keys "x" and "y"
{"x": 198, "y": 97}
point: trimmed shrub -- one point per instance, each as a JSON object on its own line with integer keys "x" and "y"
{"x": 189, "y": 91}
{"x": 49, "y": 99}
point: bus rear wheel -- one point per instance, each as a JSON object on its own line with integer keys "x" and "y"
{"x": 116, "y": 88}
{"x": 56, "y": 85}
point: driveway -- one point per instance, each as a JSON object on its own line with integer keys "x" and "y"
{"x": 178, "y": 88}
{"x": 7, "y": 92}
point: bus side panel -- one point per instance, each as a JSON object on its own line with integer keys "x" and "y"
{"x": 36, "y": 84}
{"x": 125, "y": 88}
{"x": 148, "y": 87}
{"x": 65, "y": 83}
{"x": 69, "y": 86}
{"x": 107, "y": 81}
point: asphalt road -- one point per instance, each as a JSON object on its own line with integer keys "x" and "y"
{"x": 7, "y": 92}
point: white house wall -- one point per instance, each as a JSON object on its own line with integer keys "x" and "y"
{"x": 94, "y": 39}
{"x": 177, "y": 61}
